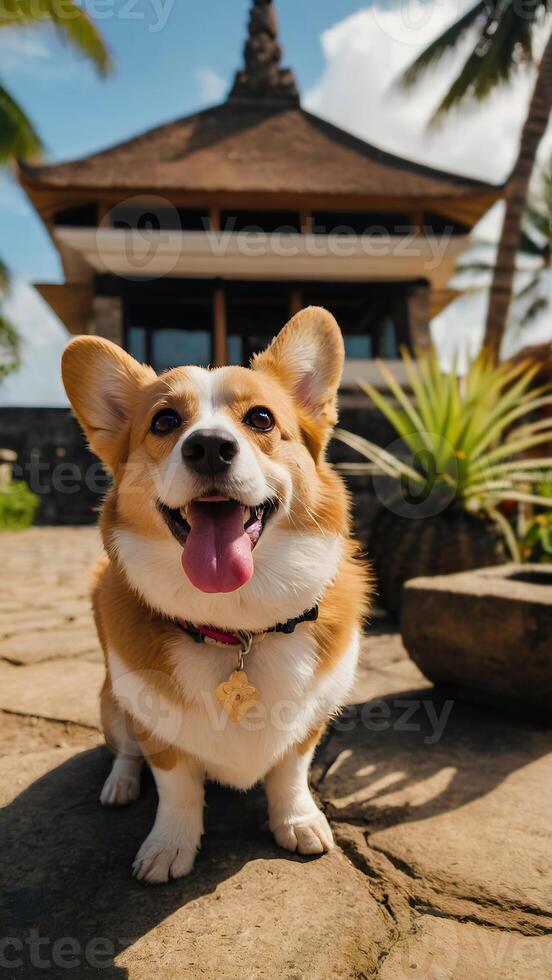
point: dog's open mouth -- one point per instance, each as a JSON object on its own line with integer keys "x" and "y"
{"x": 218, "y": 536}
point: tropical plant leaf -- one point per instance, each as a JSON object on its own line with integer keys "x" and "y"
{"x": 481, "y": 429}
{"x": 444, "y": 44}
{"x": 9, "y": 347}
{"x": 4, "y": 277}
{"x": 18, "y": 137}
{"x": 507, "y": 531}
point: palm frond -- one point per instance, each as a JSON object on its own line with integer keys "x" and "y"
{"x": 18, "y": 137}
{"x": 9, "y": 347}
{"x": 70, "y": 21}
{"x": 4, "y": 277}
{"x": 504, "y": 36}
{"x": 493, "y": 61}
{"x": 442, "y": 45}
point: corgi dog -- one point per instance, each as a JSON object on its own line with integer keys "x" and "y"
{"x": 230, "y": 600}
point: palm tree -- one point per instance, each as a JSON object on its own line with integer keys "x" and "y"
{"x": 531, "y": 295}
{"x": 504, "y": 40}
{"x": 18, "y": 137}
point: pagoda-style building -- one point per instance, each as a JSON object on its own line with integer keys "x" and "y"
{"x": 194, "y": 242}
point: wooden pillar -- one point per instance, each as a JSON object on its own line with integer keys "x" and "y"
{"x": 418, "y": 307}
{"x": 220, "y": 337}
{"x": 295, "y": 302}
{"x": 107, "y": 319}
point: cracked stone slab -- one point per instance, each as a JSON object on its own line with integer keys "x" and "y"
{"x": 247, "y": 910}
{"x": 49, "y": 644}
{"x": 384, "y": 667}
{"x": 458, "y": 817}
{"x": 64, "y": 690}
{"x": 440, "y": 949}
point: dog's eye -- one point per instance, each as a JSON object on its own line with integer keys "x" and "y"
{"x": 260, "y": 419}
{"x": 165, "y": 421}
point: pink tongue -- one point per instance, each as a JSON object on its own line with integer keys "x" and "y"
{"x": 217, "y": 555}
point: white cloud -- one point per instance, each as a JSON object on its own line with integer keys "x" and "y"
{"x": 365, "y": 55}
{"x": 21, "y": 43}
{"x": 35, "y": 53}
{"x": 43, "y": 339}
{"x": 212, "y": 86}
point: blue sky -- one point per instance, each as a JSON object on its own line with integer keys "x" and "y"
{"x": 172, "y": 57}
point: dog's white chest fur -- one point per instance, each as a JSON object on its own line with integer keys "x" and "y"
{"x": 294, "y": 698}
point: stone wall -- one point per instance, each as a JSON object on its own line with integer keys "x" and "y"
{"x": 53, "y": 459}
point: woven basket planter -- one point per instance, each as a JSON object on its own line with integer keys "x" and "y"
{"x": 402, "y": 548}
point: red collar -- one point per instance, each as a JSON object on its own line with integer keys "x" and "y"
{"x": 242, "y": 638}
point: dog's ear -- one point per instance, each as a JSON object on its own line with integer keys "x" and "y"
{"x": 308, "y": 357}
{"x": 103, "y": 382}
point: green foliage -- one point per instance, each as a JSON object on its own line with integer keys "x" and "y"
{"x": 9, "y": 340}
{"x": 503, "y": 38}
{"x": 536, "y": 545}
{"x": 18, "y": 506}
{"x": 18, "y": 136}
{"x": 464, "y": 434}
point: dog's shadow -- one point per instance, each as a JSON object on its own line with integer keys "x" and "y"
{"x": 66, "y": 868}
{"x": 418, "y": 754}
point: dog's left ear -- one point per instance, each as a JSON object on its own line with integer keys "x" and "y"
{"x": 308, "y": 356}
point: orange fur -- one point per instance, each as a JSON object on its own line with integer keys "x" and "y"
{"x": 115, "y": 399}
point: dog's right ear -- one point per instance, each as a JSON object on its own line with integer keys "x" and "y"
{"x": 103, "y": 382}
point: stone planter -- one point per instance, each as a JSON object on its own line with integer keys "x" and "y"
{"x": 485, "y": 633}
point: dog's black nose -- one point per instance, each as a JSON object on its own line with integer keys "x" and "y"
{"x": 209, "y": 452}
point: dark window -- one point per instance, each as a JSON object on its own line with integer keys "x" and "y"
{"x": 355, "y": 223}
{"x": 439, "y": 224}
{"x": 255, "y": 313}
{"x": 266, "y": 221}
{"x": 154, "y": 218}
{"x": 372, "y": 316}
{"x": 80, "y": 216}
{"x": 172, "y": 325}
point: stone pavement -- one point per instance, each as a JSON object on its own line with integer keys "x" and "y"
{"x": 441, "y": 811}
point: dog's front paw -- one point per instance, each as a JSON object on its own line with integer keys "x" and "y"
{"x": 121, "y": 787}
{"x": 159, "y": 860}
{"x": 311, "y": 835}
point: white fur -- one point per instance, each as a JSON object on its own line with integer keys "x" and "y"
{"x": 293, "y": 701}
{"x": 292, "y": 571}
{"x": 170, "y": 848}
{"x": 294, "y": 818}
{"x": 252, "y": 478}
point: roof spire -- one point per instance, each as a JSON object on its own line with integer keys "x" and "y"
{"x": 262, "y": 77}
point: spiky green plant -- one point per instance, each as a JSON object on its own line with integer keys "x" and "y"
{"x": 466, "y": 435}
